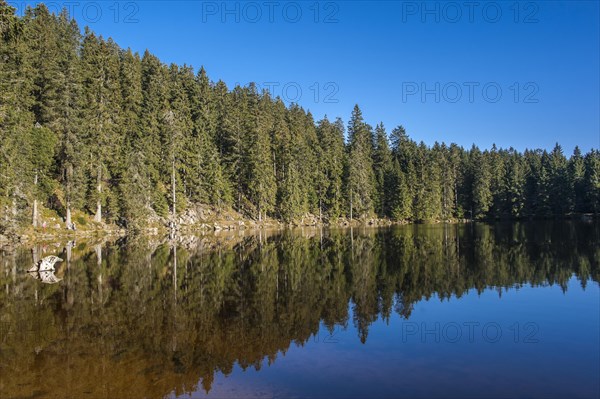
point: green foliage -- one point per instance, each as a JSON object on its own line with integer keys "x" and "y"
{"x": 361, "y": 179}
{"x": 88, "y": 126}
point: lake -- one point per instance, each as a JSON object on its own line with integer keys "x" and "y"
{"x": 471, "y": 310}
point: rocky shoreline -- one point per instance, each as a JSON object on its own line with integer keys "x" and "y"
{"x": 199, "y": 220}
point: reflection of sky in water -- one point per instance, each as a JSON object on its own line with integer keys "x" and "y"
{"x": 124, "y": 322}
{"x": 565, "y": 360}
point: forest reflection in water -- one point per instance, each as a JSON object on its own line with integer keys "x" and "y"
{"x": 143, "y": 318}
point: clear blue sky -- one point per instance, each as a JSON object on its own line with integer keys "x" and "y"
{"x": 383, "y": 55}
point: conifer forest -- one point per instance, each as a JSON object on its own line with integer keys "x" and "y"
{"x": 88, "y": 126}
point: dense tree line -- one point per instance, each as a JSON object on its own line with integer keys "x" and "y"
{"x": 87, "y": 125}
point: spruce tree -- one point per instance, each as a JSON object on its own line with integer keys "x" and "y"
{"x": 482, "y": 184}
{"x": 331, "y": 162}
{"x": 261, "y": 176}
{"x": 15, "y": 118}
{"x": 513, "y": 188}
{"x": 361, "y": 180}
{"x": 100, "y": 116}
{"x": 591, "y": 181}
{"x": 154, "y": 108}
{"x": 133, "y": 175}
{"x": 560, "y": 192}
{"x": 576, "y": 176}
{"x": 400, "y": 197}
{"x": 382, "y": 165}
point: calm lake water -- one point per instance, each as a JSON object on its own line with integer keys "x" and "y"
{"x": 504, "y": 310}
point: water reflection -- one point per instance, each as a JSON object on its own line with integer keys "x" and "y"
{"x": 143, "y": 318}
{"x": 44, "y": 269}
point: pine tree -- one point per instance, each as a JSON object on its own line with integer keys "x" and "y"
{"x": 210, "y": 183}
{"x": 15, "y": 118}
{"x": 453, "y": 176}
{"x": 427, "y": 202}
{"x": 177, "y": 126}
{"x": 43, "y": 37}
{"x": 591, "y": 181}
{"x": 72, "y": 153}
{"x": 482, "y": 182}
{"x": 261, "y": 177}
{"x": 233, "y": 137}
{"x": 543, "y": 187}
{"x": 382, "y": 165}
{"x": 154, "y": 107}
{"x": 576, "y": 180}
{"x": 331, "y": 162}
{"x": 101, "y": 124}
{"x": 496, "y": 168}
{"x": 291, "y": 151}
{"x": 560, "y": 193}
{"x": 404, "y": 152}
{"x": 400, "y": 197}
{"x": 42, "y": 143}
{"x": 514, "y": 186}
{"x": 361, "y": 180}
{"x": 133, "y": 177}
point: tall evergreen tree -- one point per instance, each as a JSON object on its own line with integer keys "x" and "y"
{"x": 382, "y": 166}
{"x": 591, "y": 181}
{"x": 482, "y": 184}
{"x": 514, "y": 186}
{"x": 331, "y": 163}
{"x": 101, "y": 124}
{"x": 261, "y": 177}
{"x": 154, "y": 108}
{"x": 15, "y": 118}
{"x": 576, "y": 180}
{"x": 560, "y": 192}
{"x": 133, "y": 174}
{"x": 361, "y": 180}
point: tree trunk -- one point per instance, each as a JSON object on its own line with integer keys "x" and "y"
{"x": 350, "y": 205}
{"x": 320, "y": 210}
{"x": 68, "y": 174}
{"x": 35, "y": 213}
{"x": 455, "y": 194}
{"x": 35, "y": 203}
{"x": 68, "y": 217}
{"x": 98, "y": 217}
{"x": 320, "y": 206}
{"x": 174, "y": 198}
{"x": 14, "y": 211}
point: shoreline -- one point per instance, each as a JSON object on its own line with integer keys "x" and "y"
{"x": 33, "y": 236}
